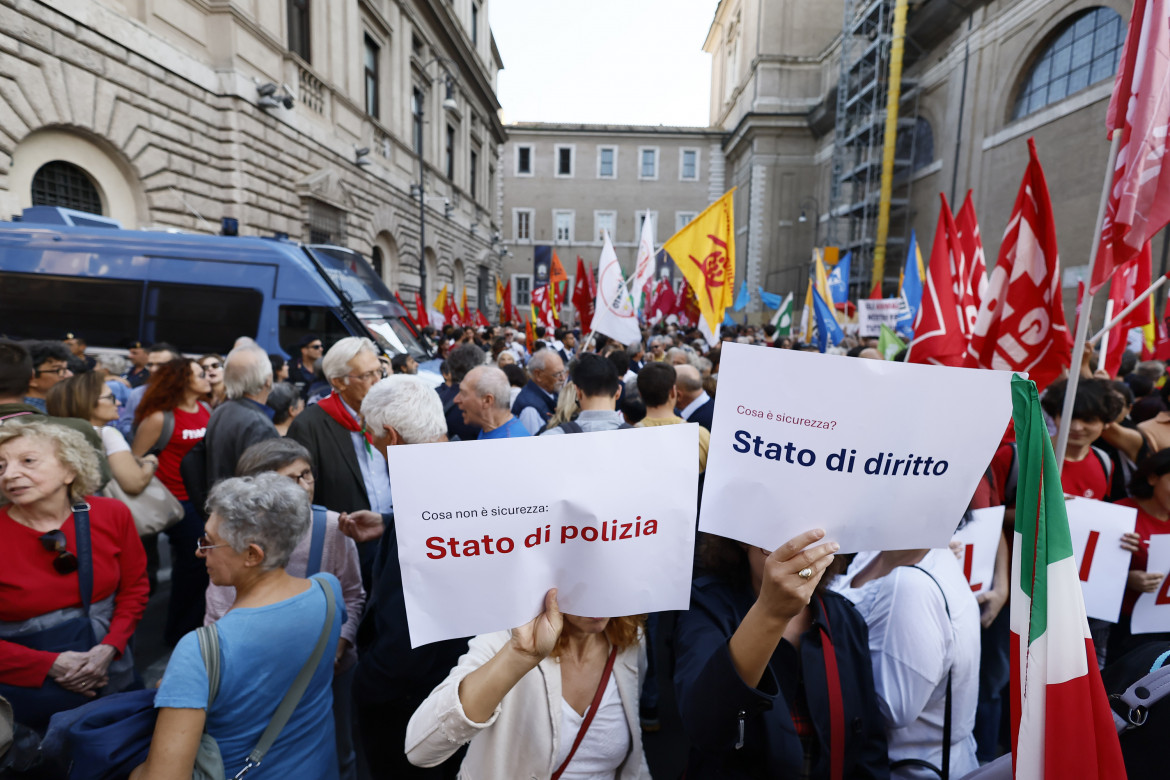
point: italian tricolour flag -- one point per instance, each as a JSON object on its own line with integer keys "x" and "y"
{"x": 1062, "y": 726}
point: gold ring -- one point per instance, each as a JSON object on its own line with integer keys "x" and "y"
{"x": 804, "y": 573}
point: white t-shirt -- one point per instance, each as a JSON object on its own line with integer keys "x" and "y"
{"x": 913, "y": 646}
{"x": 112, "y": 440}
{"x": 605, "y": 745}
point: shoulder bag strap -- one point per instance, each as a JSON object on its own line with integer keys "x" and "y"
{"x": 291, "y": 699}
{"x": 836, "y": 701}
{"x": 168, "y": 430}
{"x": 589, "y": 715}
{"x": 209, "y": 648}
{"x": 945, "y": 772}
{"x": 317, "y": 545}
{"x": 84, "y": 554}
{"x": 572, "y": 426}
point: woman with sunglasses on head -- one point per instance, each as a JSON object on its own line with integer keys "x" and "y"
{"x": 53, "y": 656}
{"x": 87, "y": 397}
{"x": 170, "y": 420}
{"x": 213, "y": 366}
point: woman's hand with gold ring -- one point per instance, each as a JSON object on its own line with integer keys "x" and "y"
{"x": 805, "y": 573}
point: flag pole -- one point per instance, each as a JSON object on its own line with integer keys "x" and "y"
{"x": 1078, "y": 355}
{"x": 1110, "y": 323}
{"x": 1104, "y": 351}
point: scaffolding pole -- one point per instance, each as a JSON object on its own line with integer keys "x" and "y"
{"x": 893, "y": 99}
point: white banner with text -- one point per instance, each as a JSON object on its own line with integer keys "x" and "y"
{"x": 1096, "y": 528}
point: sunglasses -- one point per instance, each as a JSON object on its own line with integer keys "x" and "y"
{"x": 210, "y": 366}
{"x": 54, "y": 541}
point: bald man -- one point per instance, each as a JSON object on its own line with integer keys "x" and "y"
{"x": 694, "y": 404}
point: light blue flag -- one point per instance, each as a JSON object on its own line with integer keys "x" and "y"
{"x": 741, "y": 300}
{"x": 910, "y": 289}
{"x": 828, "y": 329}
{"x": 771, "y": 300}
{"x": 839, "y": 279}
{"x": 727, "y": 321}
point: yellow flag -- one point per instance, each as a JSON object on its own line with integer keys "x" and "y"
{"x": 704, "y": 251}
{"x": 499, "y": 292}
{"x": 464, "y": 312}
{"x": 441, "y": 301}
{"x": 823, "y": 281}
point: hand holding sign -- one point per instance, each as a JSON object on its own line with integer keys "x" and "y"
{"x": 791, "y": 573}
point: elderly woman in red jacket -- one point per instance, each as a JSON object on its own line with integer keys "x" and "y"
{"x": 73, "y": 585}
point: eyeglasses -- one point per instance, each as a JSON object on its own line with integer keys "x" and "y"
{"x": 369, "y": 376}
{"x": 110, "y": 397}
{"x": 212, "y": 366}
{"x": 304, "y": 478}
{"x": 60, "y": 371}
{"x": 54, "y": 541}
{"x": 314, "y": 346}
{"x": 203, "y": 544}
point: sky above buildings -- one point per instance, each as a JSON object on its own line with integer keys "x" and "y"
{"x": 604, "y": 61}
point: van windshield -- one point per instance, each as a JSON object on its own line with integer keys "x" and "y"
{"x": 351, "y": 273}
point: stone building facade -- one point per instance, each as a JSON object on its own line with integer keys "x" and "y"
{"x": 297, "y": 117}
{"x": 563, "y": 183}
{"x": 983, "y": 75}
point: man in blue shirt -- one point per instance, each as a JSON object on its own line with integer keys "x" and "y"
{"x": 483, "y": 398}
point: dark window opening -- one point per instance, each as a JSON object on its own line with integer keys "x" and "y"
{"x": 416, "y": 118}
{"x": 564, "y": 161}
{"x": 59, "y": 183}
{"x": 296, "y": 322}
{"x": 450, "y": 152}
{"x": 298, "y": 28}
{"x": 474, "y": 174}
{"x": 200, "y": 318}
{"x": 523, "y": 159}
{"x": 371, "y": 70}
{"x": 326, "y": 224}
{"x": 105, "y": 310}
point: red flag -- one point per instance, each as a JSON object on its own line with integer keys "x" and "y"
{"x": 688, "y": 310}
{"x": 530, "y": 334}
{"x": 940, "y": 336}
{"x": 481, "y": 320}
{"x": 421, "y": 317}
{"x": 875, "y": 294}
{"x": 1161, "y": 349}
{"x": 398, "y": 298}
{"x": 1139, "y": 201}
{"x": 583, "y": 296}
{"x": 556, "y": 271}
{"x": 973, "y": 280}
{"x": 1021, "y": 323}
{"x": 509, "y": 309}
{"x": 451, "y": 311}
{"x": 1130, "y": 281}
{"x": 542, "y": 305}
{"x": 665, "y": 302}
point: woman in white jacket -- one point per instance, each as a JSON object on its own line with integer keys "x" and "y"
{"x": 525, "y": 700}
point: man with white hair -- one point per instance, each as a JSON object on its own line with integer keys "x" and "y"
{"x": 391, "y": 679}
{"x": 350, "y": 473}
{"x": 243, "y": 419}
{"x": 484, "y": 397}
{"x": 538, "y": 399}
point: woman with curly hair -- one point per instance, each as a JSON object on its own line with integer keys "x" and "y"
{"x": 555, "y": 697}
{"x": 171, "y": 419}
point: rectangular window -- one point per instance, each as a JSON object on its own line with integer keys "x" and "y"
{"x": 475, "y": 23}
{"x": 371, "y": 69}
{"x": 298, "y": 28}
{"x": 564, "y": 161}
{"x": 105, "y": 310}
{"x": 326, "y": 223}
{"x": 522, "y": 224}
{"x": 523, "y": 160}
{"x": 473, "y": 174}
{"x": 200, "y": 317}
{"x": 416, "y": 119}
{"x": 450, "y": 153}
{"x": 647, "y": 162}
{"x": 607, "y": 162}
{"x": 416, "y": 46}
{"x": 688, "y": 165}
{"x": 522, "y": 289}
{"x": 639, "y": 218}
{"x": 563, "y": 225}
{"x": 604, "y": 222}
{"x": 683, "y": 218}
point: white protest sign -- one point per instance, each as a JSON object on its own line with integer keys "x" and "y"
{"x": 872, "y": 314}
{"x": 1151, "y": 613}
{"x": 980, "y": 540}
{"x": 1096, "y": 528}
{"x": 882, "y": 455}
{"x": 485, "y": 528}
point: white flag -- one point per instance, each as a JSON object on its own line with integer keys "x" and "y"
{"x": 644, "y": 264}
{"x": 613, "y": 313}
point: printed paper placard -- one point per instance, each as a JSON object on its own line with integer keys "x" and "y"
{"x": 485, "y": 528}
{"x": 882, "y": 455}
{"x": 980, "y": 540}
{"x": 1151, "y": 613}
{"x": 1096, "y": 528}
{"x": 872, "y": 314}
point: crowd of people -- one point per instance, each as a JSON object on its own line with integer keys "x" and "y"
{"x": 285, "y": 606}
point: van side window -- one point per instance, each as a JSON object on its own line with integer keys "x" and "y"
{"x": 43, "y": 306}
{"x": 201, "y": 318}
{"x": 296, "y": 322}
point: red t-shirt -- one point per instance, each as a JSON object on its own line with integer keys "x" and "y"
{"x": 189, "y": 429}
{"x": 1085, "y": 478}
{"x": 30, "y": 586}
{"x": 1147, "y": 525}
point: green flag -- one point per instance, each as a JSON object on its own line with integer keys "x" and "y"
{"x": 783, "y": 318}
{"x": 889, "y": 344}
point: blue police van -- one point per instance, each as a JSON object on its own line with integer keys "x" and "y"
{"x": 68, "y": 271}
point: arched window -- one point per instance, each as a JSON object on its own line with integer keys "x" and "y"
{"x": 1083, "y": 51}
{"x": 59, "y": 183}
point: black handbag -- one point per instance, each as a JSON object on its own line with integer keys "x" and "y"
{"x": 34, "y": 706}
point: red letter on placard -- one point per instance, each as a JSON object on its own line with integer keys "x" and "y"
{"x": 1087, "y": 560}
{"x": 1163, "y": 595}
{"x": 968, "y": 562}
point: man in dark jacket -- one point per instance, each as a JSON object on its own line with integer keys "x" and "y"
{"x": 304, "y": 367}
{"x": 242, "y": 420}
{"x": 538, "y": 399}
{"x": 460, "y": 361}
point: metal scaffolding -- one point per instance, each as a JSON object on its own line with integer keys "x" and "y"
{"x": 855, "y": 188}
